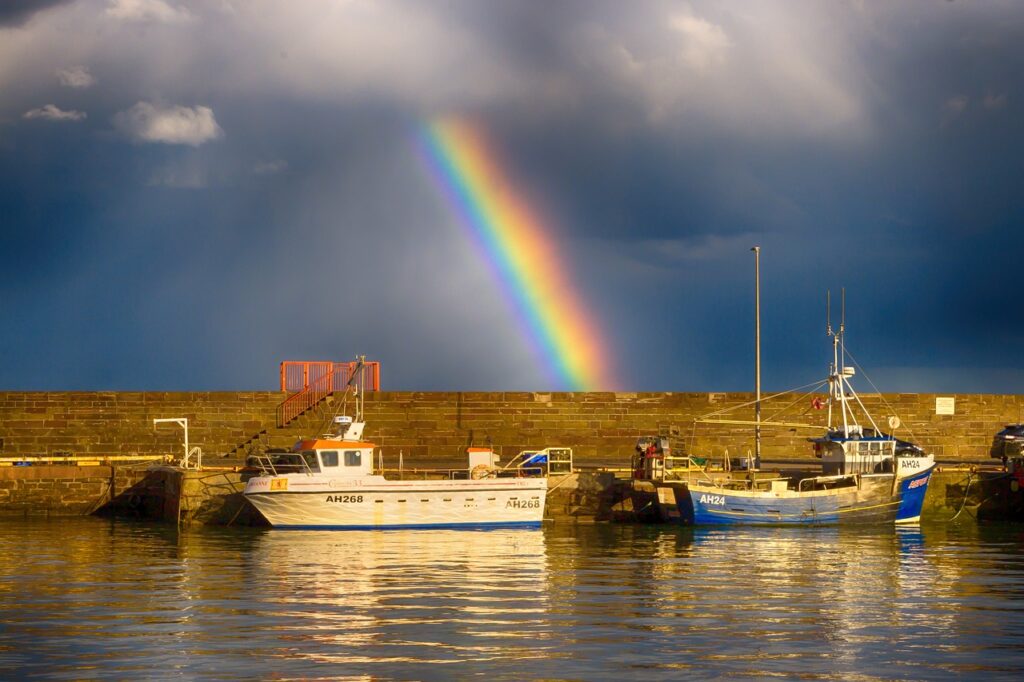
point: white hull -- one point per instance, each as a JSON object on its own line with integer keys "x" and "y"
{"x": 372, "y": 502}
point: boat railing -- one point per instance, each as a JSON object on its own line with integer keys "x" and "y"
{"x": 802, "y": 486}
{"x": 549, "y": 460}
{"x": 458, "y": 474}
{"x": 267, "y": 465}
{"x": 506, "y": 472}
{"x": 766, "y": 482}
{"x": 405, "y": 474}
{"x": 682, "y": 466}
{"x": 700, "y": 467}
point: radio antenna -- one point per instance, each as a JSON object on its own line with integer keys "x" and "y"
{"x": 842, "y": 319}
{"x": 828, "y": 312}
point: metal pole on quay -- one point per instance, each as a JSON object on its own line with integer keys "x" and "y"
{"x": 757, "y": 355}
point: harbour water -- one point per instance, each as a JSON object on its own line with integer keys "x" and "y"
{"x": 100, "y": 598}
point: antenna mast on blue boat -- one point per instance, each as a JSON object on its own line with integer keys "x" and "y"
{"x": 839, "y": 375}
{"x": 836, "y": 378}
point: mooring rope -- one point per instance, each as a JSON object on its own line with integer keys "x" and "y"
{"x": 967, "y": 490}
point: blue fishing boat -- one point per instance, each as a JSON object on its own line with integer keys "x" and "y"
{"x": 865, "y": 475}
{"x": 892, "y": 492}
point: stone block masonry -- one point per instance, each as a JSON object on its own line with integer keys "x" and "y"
{"x": 432, "y": 428}
{"x": 62, "y": 490}
{"x": 602, "y": 427}
{"x": 121, "y": 423}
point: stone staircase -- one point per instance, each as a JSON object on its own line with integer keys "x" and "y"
{"x": 309, "y": 424}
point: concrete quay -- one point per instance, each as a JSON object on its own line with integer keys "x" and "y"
{"x": 214, "y": 495}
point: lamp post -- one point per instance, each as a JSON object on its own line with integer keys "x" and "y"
{"x": 757, "y": 355}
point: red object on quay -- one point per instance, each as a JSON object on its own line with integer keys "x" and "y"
{"x": 311, "y": 382}
{"x": 299, "y": 375}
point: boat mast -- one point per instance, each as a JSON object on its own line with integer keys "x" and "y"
{"x": 356, "y": 384}
{"x": 832, "y": 369}
{"x": 836, "y": 378}
{"x": 757, "y": 354}
{"x": 840, "y": 360}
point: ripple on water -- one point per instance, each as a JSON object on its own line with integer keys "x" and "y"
{"x": 95, "y": 597}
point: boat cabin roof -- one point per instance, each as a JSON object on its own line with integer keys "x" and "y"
{"x": 869, "y": 435}
{"x": 320, "y": 444}
{"x": 838, "y": 438}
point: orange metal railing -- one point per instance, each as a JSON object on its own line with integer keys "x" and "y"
{"x": 311, "y": 382}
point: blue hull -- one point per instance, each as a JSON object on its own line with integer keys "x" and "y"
{"x": 874, "y": 501}
{"x": 912, "y": 492}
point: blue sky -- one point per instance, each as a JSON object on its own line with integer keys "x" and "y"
{"x": 193, "y": 191}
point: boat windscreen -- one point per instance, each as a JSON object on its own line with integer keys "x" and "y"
{"x": 295, "y": 462}
{"x": 309, "y": 458}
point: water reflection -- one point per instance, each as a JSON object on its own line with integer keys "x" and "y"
{"x": 90, "y": 598}
{"x": 405, "y": 596}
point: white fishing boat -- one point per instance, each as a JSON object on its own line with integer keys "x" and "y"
{"x": 331, "y": 482}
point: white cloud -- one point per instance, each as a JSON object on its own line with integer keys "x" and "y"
{"x": 76, "y": 77}
{"x": 994, "y": 101}
{"x": 704, "y": 43}
{"x": 953, "y": 108}
{"x": 147, "y": 122}
{"x": 148, "y": 10}
{"x": 772, "y": 68}
{"x": 52, "y": 112}
{"x": 270, "y": 167}
{"x": 956, "y": 105}
{"x": 762, "y": 69}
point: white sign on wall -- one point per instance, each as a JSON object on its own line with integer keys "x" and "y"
{"x": 945, "y": 406}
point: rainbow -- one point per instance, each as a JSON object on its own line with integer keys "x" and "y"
{"x": 522, "y": 254}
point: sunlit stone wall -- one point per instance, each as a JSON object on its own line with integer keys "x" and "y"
{"x": 435, "y": 427}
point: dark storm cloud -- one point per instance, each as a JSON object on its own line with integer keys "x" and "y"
{"x": 916, "y": 215}
{"x": 17, "y": 12}
{"x": 245, "y": 188}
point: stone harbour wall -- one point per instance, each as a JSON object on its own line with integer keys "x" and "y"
{"x": 56, "y": 490}
{"x": 602, "y": 428}
{"x": 116, "y": 423}
{"x": 433, "y": 428}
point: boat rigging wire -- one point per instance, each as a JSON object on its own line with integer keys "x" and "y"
{"x": 802, "y": 397}
{"x": 881, "y": 396}
{"x": 763, "y": 399}
{"x": 813, "y": 386}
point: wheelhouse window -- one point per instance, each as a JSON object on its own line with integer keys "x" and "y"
{"x": 329, "y": 458}
{"x": 353, "y": 458}
{"x": 833, "y": 449}
{"x": 309, "y": 457}
{"x": 294, "y": 462}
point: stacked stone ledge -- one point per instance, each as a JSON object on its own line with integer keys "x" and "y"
{"x": 433, "y": 428}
